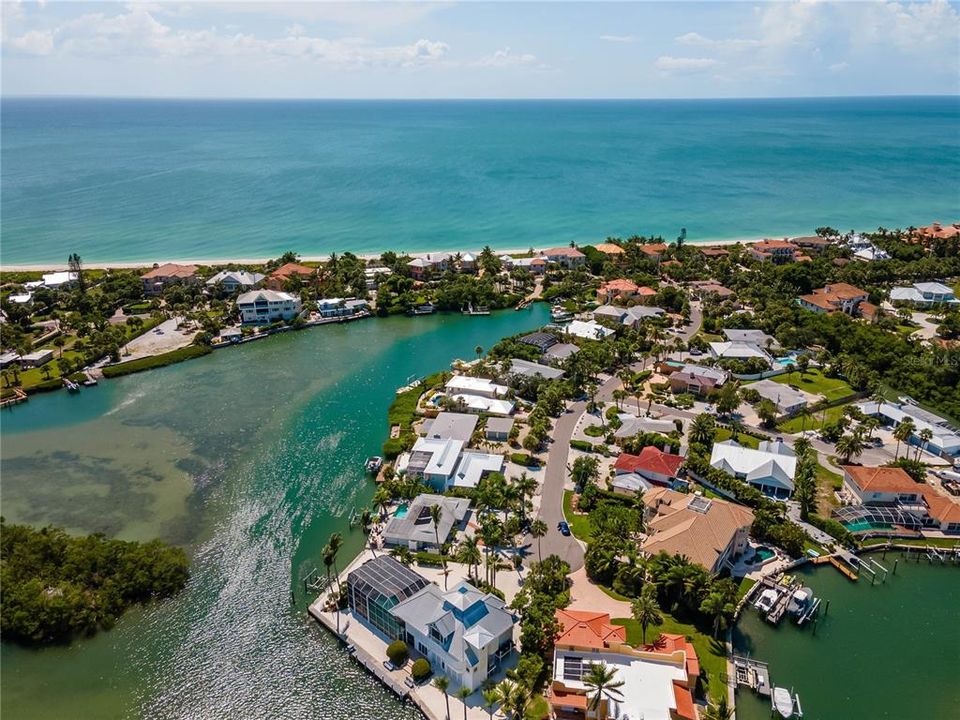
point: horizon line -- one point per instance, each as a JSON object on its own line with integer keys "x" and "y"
{"x": 214, "y": 98}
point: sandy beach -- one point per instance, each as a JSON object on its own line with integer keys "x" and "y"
{"x": 130, "y": 265}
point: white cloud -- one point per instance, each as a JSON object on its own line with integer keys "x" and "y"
{"x": 507, "y": 58}
{"x": 838, "y": 67}
{"x": 670, "y": 64}
{"x": 618, "y": 38}
{"x": 138, "y": 33}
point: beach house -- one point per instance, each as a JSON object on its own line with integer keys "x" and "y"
{"x": 278, "y": 279}
{"x": 587, "y": 329}
{"x": 658, "y": 679}
{"x": 709, "y": 531}
{"x": 266, "y": 306}
{"x": 466, "y": 634}
{"x": 565, "y": 257}
{"x": 777, "y": 251}
{"x": 924, "y": 294}
{"x": 533, "y": 265}
{"x": 414, "y": 529}
{"x": 420, "y": 267}
{"x": 443, "y": 463}
{"x": 836, "y": 297}
{"x": 233, "y": 281}
{"x": 455, "y": 426}
{"x": 162, "y": 276}
{"x": 770, "y": 468}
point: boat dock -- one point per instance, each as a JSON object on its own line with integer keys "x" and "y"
{"x": 18, "y": 396}
{"x": 752, "y": 674}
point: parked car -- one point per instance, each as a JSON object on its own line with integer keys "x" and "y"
{"x": 389, "y": 665}
{"x": 563, "y": 527}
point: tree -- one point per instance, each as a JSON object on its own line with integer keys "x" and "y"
{"x": 335, "y": 543}
{"x": 728, "y": 399}
{"x": 719, "y": 710}
{"x": 382, "y": 499}
{"x": 767, "y": 412}
{"x": 903, "y": 432}
{"x": 441, "y": 683}
{"x": 479, "y": 351}
{"x": 538, "y": 529}
{"x": 851, "y": 445}
{"x": 468, "y": 553}
{"x": 463, "y": 693}
{"x": 702, "y": 429}
{"x": 59, "y": 342}
{"x": 803, "y": 363}
{"x": 804, "y": 485}
{"x": 490, "y": 698}
{"x": 646, "y": 611}
{"x": 514, "y": 697}
{"x": 602, "y": 685}
{"x": 75, "y": 265}
{"x": 436, "y": 513}
{"x": 720, "y": 604}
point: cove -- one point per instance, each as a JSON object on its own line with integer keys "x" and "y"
{"x": 249, "y": 457}
{"x": 887, "y": 651}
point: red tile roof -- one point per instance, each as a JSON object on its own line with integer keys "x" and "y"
{"x": 881, "y": 479}
{"x": 669, "y": 643}
{"x": 170, "y": 270}
{"x": 942, "y": 509}
{"x": 285, "y": 271}
{"x": 620, "y": 285}
{"x": 684, "y": 701}
{"x": 588, "y": 629}
{"x": 563, "y": 252}
{"x": 653, "y": 248}
{"x": 609, "y": 249}
{"x": 652, "y": 460}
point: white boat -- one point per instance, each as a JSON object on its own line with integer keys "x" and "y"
{"x": 558, "y": 314}
{"x": 373, "y": 464}
{"x": 782, "y": 702}
{"x": 766, "y": 601}
{"x": 800, "y": 601}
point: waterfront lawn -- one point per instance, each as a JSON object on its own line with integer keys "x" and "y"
{"x": 580, "y": 524}
{"x": 537, "y": 709}
{"x": 749, "y": 441}
{"x": 712, "y": 654}
{"x": 744, "y": 587}
{"x": 154, "y": 361}
{"x": 814, "y": 382}
{"x": 919, "y": 542}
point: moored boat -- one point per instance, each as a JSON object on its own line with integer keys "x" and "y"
{"x": 373, "y": 464}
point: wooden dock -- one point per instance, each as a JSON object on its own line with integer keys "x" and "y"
{"x": 752, "y": 674}
{"x": 18, "y": 397}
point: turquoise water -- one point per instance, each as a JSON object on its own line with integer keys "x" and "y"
{"x": 249, "y": 457}
{"x": 146, "y": 180}
{"x": 883, "y": 652}
{"x": 401, "y": 511}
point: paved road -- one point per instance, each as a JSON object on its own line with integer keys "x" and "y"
{"x": 555, "y": 476}
{"x": 696, "y": 321}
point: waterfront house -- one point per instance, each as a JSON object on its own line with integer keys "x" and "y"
{"x": 565, "y": 257}
{"x": 787, "y": 400}
{"x": 525, "y": 368}
{"x": 924, "y": 294}
{"x": 658, "y": 679}
{"x": 611, "y": 250}
{"x": 812, "y": 242}
{"x": 473, "y": 466}
{"x": 481, "y": 404}
{"x": 466, "y": 634}
{"x": 713, "y": 253}
{"x": 777, "y": 251}
{"x": 657, "y": 466}
{"x": 863, "y": 249}
{"x": 266, "y": 306}
{"x": 341, "y": 307}
{"x": 711, "y": 532}
{"x": 58, "y": 280}
{"x": 770, "y": 468}
{"x": 372, "y": 275}
{"x": 560, "y": 351}
{"x": 836, "y": 297}
{"x": 433, "y": 460}
{"x": 540, "y": 340}
{"x": 9, "y": 358}
{"x": 587, "y": 329}
{"x": 944, "y": 440}
{"x": 630, "y": 317}
{"x": 468, "y": 263}
{"x": 162, "y": 276}
{"x": 469, "y": 385}
{"x": 415, "y": 529}
{"x": 279, "y": 278}
{"x": 451, "y": 425}
{"x": 653, "y": 251}
{"x": 534, "y": 265}
{"x": 506, "y": 262}
{"x": 233, "y": 281}
{"x": 433, "y": 263}
{"x": 498, "y": 429}
{"x": 376, "y": 587}
{"x": 879, "y": 485}
{"x": 36, "y": 359}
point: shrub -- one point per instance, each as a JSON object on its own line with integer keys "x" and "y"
{"x": 392, "y": 447}
{"x": 581, "y": 445}
{"x": 593, "y": 431}
{"x": 524, "y": 460}
{"x": 147, "y": 363}
{"x": 428, "y": 558}
{"x": 398, "y": 652}
{"x": 421, "y": 670}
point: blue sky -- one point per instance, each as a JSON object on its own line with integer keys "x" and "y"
{"x": 477, "y": 50}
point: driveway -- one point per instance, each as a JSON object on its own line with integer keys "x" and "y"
{"x": 696, "y": 320}
{"x": 555, "y": 477}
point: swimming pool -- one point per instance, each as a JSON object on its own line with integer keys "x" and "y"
{"x": 761, "y": 554}
{"x": 401, "y": 511}
{"x": 862, "y": 525}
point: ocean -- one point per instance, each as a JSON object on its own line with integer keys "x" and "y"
{"x": 146, "y": 180}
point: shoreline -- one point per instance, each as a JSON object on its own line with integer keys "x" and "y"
{"x": 132, "y": 264}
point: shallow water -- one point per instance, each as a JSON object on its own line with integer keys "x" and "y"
{"x": 250, "y": 457}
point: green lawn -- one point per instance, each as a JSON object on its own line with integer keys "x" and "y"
{"x": 713, "y": 658}
{"x": 579, "y": 524}
{"x": 814, "y": 382}
{"x": 744, "y": 587}
{"x": 814, "y": 422}
{"x": 749, "y": 441}
{"x": 933, "y": 542}
{"x": 537, "y": 709}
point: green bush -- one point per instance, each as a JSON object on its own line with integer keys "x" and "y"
{"x": 398, "y": 652}
{"x": 581, "y": 445}
{"x": 524, "y": 460}
{"x": 428, "y": 558}
{"x": 594, "y": 431}
{"x": 421, "y": 670}
{"x": 392, "y": 448}
{"x": 155, "y": 361}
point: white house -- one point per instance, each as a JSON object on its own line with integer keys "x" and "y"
{"x": 267, "y": 306}
{"x": 924, "y": 293}
{"x": 56, "y": 280}
{"x": 588, "y": 329}
{"x": 770, "y": 468}
{"x": 434, "y": 460}
{"x": 473, "y": 467}
{"x": 235, "y": 280}
{"x": 944, "y": 438}
{"x": 464, "y": 633}
{"x": 482, "y": 387}
{"x": 739, "y": 351}
{"x": 787, "y": 400}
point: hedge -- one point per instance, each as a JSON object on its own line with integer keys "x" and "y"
{"x": 524, "y": 460}
{"x": 421, "y": 670}
{"x": 155, "y": 361}
{"x": 581, "y": 445}
{"x": 428, "y": 558}
{"x": 398, "y": 652}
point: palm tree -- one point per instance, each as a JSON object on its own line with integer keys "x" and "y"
{"x": 538, "y": 529}
{"x": 59, "y": 342}
{"x": 490, "y": 698}
{"x": 463, "y": 693}
{"x": 524, "y": 486}
{"x": 903, "y": 433}
{"x": 646, "y": 611}
{"x": 702, "y": 429}
{"x": 336, "y": 542}
{"x": 851, "y": 445}
{"x": 382, "y": 499}
{"x": 436, "y": 512}
{"x": 720, "y": 710}
{"x": 926, "y": 435}
{"x": 441, "y": 683}
{"x": 602, "y": 684}
{"x": 468, "y": 552}
{"x": 514, "y": 697}
{"x": 479, "y": 351}
{"x": 719, "y": 606}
